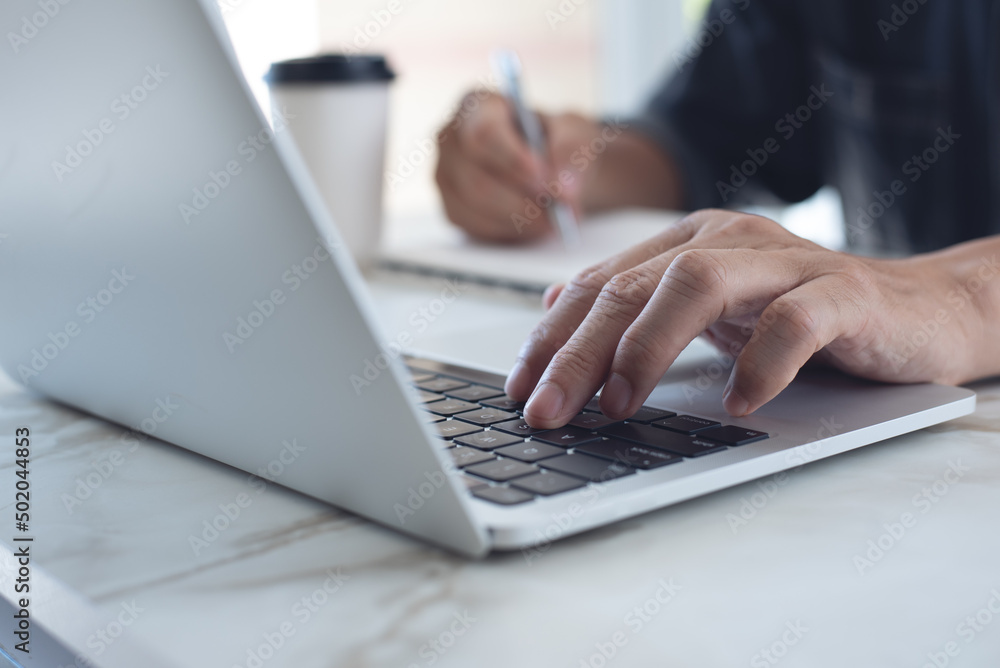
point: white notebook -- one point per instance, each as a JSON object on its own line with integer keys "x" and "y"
{"x": 432, "y": 246}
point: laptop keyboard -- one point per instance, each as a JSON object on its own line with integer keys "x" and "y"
{"x": 506, "y": 461}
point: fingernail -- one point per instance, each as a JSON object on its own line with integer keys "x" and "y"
{"x": 516, "y": 380}
{"x": 616, "y": 395}
{"x": 547, "y": 402}
{"x": 736, "y": 405}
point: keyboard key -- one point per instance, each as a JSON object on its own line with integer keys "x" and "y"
{"x": 530, "y": 451}
{"x": 663, "y": 439}
{"x": 450, "y": 407}
{"x": 487, "y": 416}
{"x": 504, "y": 403}
{"x": 472, "y": 483}
{"x": 504, "y": 496}
{"x": 421, "y": 376}
{"x": 548, "y": 483}
{"x": 463, "y": 457}
{"x": 454, "y": 429}
{"x": 427, "y": 397}
{"x": 587, "y": 467}
{"x": 488, "y": 440}
{"x": 642, "y": 433}
{"x": 592, "y": 421}
{"x": 734, "y": 435}
{"x": 647, "y": 414}
{"x": 475, "y": 393}
{"x": 566, "y": 437}
{"x": 518, "y": 427}
{"x": 632, "y": 454}
{"x": 700, "y": 446}
{"x": 502, "y": 470}
{"x": 686, "y": 424}
{"x": 430, "y": 418}
{"x": 440, "y": 385}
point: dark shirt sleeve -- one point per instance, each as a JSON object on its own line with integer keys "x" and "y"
{"x": 739, "y": 78}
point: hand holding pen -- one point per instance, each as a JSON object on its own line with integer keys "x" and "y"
{"x": 492, "y": 182}
{"x": 508, "y": 67}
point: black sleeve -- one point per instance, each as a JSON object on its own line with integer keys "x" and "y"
{"x": 723, "y": 116}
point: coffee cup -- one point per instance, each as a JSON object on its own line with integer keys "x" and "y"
{"x": 337, "y": 110}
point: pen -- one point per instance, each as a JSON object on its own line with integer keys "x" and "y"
{"x": 508, "y": 69}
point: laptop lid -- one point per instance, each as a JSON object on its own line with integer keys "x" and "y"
{"x": 162, "y": 269}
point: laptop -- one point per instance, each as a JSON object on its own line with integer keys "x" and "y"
{"x": 162, "y": 269}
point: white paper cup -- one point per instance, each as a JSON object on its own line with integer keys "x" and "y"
{"x": 338, "y": 107}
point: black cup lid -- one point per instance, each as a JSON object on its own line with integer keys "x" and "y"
{"x": 331, "y": 68}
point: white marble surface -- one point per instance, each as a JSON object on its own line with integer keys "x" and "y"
{"x": 735, "y": 593}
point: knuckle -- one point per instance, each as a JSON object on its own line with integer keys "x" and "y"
{"x": 700, "y": 272}
{"x": 691, "y": 223}
{"x": 629, "y": 289}
{"x": 795, "y": 321}
{"x": 547, "y": 338}
{"x": 588, "y": 283}
{"x": 482, "y": 134}
{"x": 575, "y": 360}
{"x": 858, "y": 277}
{"x": 747, "y": 225}
{"x": 639, "y": 350}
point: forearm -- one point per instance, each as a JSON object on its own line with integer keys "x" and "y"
{"x": 632, "y": 172}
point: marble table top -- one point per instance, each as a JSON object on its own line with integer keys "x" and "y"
{"x": 885, "y": 556}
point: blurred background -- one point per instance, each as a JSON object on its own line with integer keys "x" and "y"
{"x": 601, "y": 57}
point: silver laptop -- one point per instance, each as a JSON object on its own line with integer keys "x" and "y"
{"x": 161, "y": 268}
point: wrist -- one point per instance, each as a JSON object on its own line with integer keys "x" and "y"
{"x": 971, "y": 273}
{"x": 628, "y": 170}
